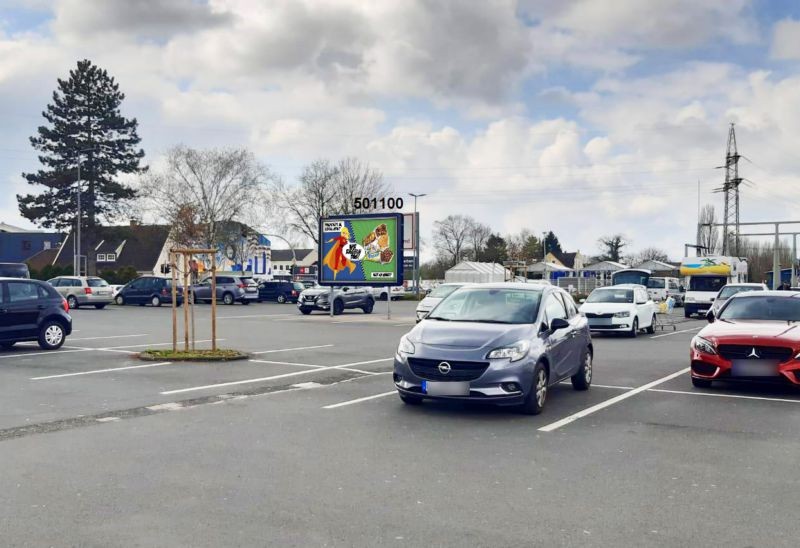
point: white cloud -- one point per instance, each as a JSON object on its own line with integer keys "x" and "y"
{"x": 786, "y": 40}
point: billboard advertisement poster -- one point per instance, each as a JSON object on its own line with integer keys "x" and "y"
{"x": 361, "y": 250}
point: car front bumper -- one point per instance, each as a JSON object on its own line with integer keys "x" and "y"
{"x": 486, "y": 388}
{"x": 696, "y": 308}
{"x": 605, "y": 325}
{"x": 714, "y": 367}
{"x": 314, "y": 305}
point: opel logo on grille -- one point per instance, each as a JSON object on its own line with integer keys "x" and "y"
{"x": 753, "y": 354}
{"x": 444, "y": 368}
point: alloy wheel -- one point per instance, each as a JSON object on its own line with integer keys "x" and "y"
{"x": 587, "y": 368}
{"x": 541, "y": 387}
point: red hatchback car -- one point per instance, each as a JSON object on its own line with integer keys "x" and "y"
{"x": 754, "y": 336}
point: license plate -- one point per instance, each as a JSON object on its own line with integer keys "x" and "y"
{"x": 599, "y": 321}
{"x": 433, "y": 388}
{"x": 250, "y": 290}
{"x": 754, "y": 368}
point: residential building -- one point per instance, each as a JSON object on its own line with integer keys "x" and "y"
{"x": 18, "y": 244}
{"x": 305, "y": 262}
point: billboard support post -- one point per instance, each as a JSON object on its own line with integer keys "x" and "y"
{"x": 330, "y": 301}
{"x": 389, "y": 306}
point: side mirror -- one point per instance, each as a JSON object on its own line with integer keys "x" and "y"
{"x": 713, "y": 299}
{"x": 345, "y": 289}
{"x": 710, "y": 316}
{"x": 558, "y": 323}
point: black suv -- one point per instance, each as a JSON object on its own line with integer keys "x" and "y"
{"x": 148, "y": 290}
{"x": 32, "y": 311}
{"x": 282, "y": 292}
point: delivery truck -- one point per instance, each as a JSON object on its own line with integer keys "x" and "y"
{"x": 705, "y": 276}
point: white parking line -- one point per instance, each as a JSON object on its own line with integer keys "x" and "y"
{"x": 314, "y": 366}
{"x": 676, "y": 332}
{"x": 254, "y": 316}
{"x": 108, "y": 337}
{"x": 94, "y": 371}
{"x": 359, "y": 400}
{"x": 273, "y": 377}
{"x": 717, "y": 395}
{"x": 46, "y": 353}
{"x": 616, "y": 399}
{"x": 291, "y": 349}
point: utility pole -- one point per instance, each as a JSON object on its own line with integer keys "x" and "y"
{"x": 544, "y": 255}
{"x": 730, "y": 188}
{"x": 416, "y": 243}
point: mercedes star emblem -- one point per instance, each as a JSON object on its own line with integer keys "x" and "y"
{"x": 444, "y": 368}
{"x": 753, "y": 354}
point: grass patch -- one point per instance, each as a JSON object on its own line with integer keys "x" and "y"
{"x": 218, "y": 355}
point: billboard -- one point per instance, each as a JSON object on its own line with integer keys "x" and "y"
{"x": 361, "y": 250}
{"x": 410, "y": 230}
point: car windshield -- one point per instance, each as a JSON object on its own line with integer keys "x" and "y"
{"x": 630, "y": 277}
{"x": 731, "y": 290}
{"x": 611, "y": 295}
{"x": 656, "y": 283}
{"x": 97, "y": 282}
{"x": 707, "y": 283}
{"x": 443, "y": 291}
{"x": 489, "y": 305}
{"x": 786, "y": 309}
{"x": 298, "y": 286}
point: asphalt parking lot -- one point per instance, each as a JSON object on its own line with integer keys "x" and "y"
{"x": 306, "y": 444}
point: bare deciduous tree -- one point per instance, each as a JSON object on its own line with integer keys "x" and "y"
{"x": 650, "y": 254}
{"x": 708, "y": 236}
{"x": 611, "y": 247}
{"x": 201, "y": 191}
{"x": 451, "y": 236}
{"x": 478, "y": 235}
{"x": 327, "y": 189}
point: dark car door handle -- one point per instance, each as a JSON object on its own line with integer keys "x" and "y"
{"x": 41, "y": 306}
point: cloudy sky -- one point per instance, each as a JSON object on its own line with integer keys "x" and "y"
{"x": 584, "y": 117}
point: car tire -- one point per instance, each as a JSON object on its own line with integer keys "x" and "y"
{"x": 155, "y": 300}
{"x": 537, "y": 396}
{"x": 338, "y": 307}
{"x": 281, "y": 299}
{"x": 73, "y": 303}
{"x": 384, "y": 296}
{"x": 701, "y": 383}
{"x": 305, "y": 311}
{"x": 410, "y": 400}
{"x": 119, "y": 300}
{"x": 686, "y": 314}
{"x": 634, "y": 332}
{"x": 8, "y": 345}
{"x": 52, "y": 335}
{"x": 652, "y": 328}
{"x": 582, "y": 380}
{"x": 227, "y": 298}
{"x": 99, "y": 306}
{"x": 367, "y": 308}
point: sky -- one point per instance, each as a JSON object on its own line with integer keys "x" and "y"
{"x": 584, "y": 117}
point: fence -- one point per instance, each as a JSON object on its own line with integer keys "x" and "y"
{"x": 584, "y": 286}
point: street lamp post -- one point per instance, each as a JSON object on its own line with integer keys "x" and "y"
{"x": 544, "y": 254}
{"x": 416, "y": 242}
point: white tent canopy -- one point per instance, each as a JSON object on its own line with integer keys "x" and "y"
{"x": 474, "y": 272}
{"x": 657, "y": 266}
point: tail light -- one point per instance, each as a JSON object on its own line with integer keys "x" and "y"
{"x": 87, "y": 290}
{"x": 241, "y": 286}
{"x": 65, "y": 304}
{"x": 165, "y": 292}
{"x": 294, "y": 293}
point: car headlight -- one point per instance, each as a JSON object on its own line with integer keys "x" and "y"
{"x": 406, "y": 347}
{"x": 623, "y": 314}
{"x": 515, "y": 352}
{"x": 704, "y": 345}
{"x": 689, "y": 299}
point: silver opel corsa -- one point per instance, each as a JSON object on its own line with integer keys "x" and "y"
{"x": 500, "y": 343}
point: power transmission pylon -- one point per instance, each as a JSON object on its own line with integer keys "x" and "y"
{"x": 730, "y": 219}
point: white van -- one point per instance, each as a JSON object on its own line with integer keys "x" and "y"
{"x": 660, "y": 288}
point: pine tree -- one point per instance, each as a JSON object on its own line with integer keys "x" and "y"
{"x": 84, "y": 123}
{"x": 552, "y": 245}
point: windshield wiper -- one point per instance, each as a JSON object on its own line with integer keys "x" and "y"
{"x": 438, "y": 318}
{"x": 483, "y": 321}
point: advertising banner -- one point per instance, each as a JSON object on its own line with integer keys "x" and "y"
{"x": 361, "y": 250}
{"x": 410, "y": 230}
